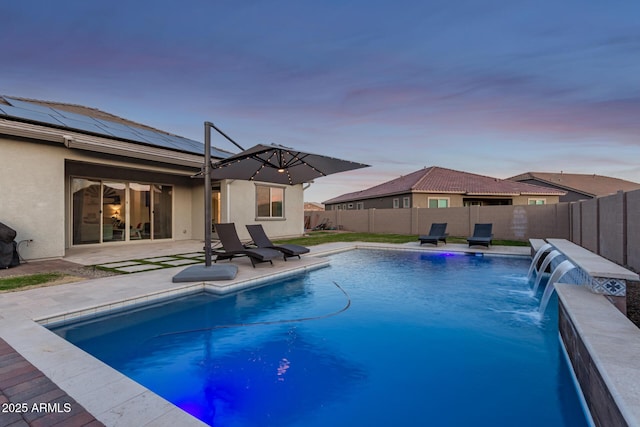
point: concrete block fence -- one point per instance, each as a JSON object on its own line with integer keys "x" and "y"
{"x": 608, "y": 225}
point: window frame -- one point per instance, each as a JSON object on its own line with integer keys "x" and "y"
{"x": 535, "y": 201}
{"x": 438, "y": 199}
{"x": 271, "y": 216}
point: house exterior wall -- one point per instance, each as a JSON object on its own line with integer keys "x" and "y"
{"x": 239, "y": 197}
{"x": 32, "y": 196}
{"x": 35, "y": 181}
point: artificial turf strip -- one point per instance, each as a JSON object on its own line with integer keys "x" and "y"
{"x": 9, "y": 283}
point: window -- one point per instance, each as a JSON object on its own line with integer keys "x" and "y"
{"x": 438, "y": 203}
{"x": 396, "y": 203}
{"x": 359, "y": 206}
{"x": 269, "y": 202}
{"x": 111, "y": 211}
{"x": 350, "y": 206}
{"x": 537, "y": 201}
{"x": 406, "y": 202}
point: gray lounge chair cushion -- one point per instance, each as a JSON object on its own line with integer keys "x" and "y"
{"x": 202, "y": 273}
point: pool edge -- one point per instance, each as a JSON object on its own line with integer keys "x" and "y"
{"x": 599, "y": 341}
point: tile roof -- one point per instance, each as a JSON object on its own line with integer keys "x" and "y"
{"x": 440, "y": 180}
{"x": 591, "y": 185}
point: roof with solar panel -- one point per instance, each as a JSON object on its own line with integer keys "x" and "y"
{"x": 96, "y": 122}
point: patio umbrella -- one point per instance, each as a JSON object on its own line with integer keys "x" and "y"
{"x": 280, "y": 165}
{"x": 266, "y": 163}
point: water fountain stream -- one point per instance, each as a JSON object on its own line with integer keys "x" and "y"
{"x": 546, "y": 263}
{"x": 541, "y": 251}
{"x": 563, "y": 268}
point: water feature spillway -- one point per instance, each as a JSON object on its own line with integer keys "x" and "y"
{"x": 563, "y": 268}
{"x": 547, "y": 261}
{"x": 541, "y": 251}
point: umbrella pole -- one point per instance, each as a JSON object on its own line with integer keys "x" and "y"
{"x": 207, "y": 193}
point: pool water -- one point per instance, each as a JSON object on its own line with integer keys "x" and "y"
{"x": 417, "y": 340}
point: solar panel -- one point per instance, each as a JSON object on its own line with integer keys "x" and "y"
{"x": 120, "y": 133}
{"x": 30, "y": 106}
{"x": 76, "y": 116}
{"x": 61, "y": 118}
{"x": 81, "y": 125}
{"x": 30, "y": 115}
{"x": 156, "y": 139}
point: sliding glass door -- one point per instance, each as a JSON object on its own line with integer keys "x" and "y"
{"x": 140, "y": 211}
{"x": 111, "y": 211}
{"x": 86, "y": 211}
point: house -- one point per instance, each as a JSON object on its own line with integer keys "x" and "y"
{"x": 437, "y": 187}
{"x": 577, "y": 186}
{"x": 313, "y": 206}
{"x": 74, "y": 176}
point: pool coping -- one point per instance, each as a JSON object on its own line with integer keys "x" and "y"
{"x": 111, "y": 397}
{"x": 602, "y": 344}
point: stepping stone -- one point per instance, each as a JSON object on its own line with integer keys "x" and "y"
{"x": 192, "y": 255}
{"x": 182, "y": 262}
{"x": 139, "y": 267}
{"x": 160, "y": 259}
{"x": 118, "y": 264}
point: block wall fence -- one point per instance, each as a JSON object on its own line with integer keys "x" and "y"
{"x": 607, "y": 225}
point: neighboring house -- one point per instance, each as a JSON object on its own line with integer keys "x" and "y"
{"x": 73, "y": 176}
{"x": 313, "y": 206}
{"x": 577, "y": 186}
{"x": 437, "y": 187}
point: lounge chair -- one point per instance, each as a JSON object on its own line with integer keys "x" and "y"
{"x": 233, "y": 247}
{"x": 261, "y": 240}
{"x": 481, "y": 235}
{"x": 436, "y": 234}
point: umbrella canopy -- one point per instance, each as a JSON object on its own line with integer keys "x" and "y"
{"x": 279, "y": 164}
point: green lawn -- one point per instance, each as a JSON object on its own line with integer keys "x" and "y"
{"x": 9, "y": 283}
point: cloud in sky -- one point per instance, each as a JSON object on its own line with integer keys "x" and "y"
{"x": 492, "y": 87}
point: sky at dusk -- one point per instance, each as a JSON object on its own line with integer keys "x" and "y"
{"x": 490, "y": 87}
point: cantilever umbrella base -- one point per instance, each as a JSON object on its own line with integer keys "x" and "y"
{"x": 203, "y": 273}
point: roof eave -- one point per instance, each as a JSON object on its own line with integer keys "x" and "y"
{"x": 81, "y": 141}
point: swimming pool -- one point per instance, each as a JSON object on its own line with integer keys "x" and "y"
{"x": 425, "y": 339}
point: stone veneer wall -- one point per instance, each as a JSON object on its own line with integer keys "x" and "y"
{"x": 602, "y": 406}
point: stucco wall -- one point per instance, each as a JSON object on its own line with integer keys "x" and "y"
{"x": 32, "y": 196}
{"x": 238, "y": 199}
{"x": 182, "y": 208}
